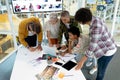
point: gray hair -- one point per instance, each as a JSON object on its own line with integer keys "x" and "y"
{"x": 53, "y": 16}
{"x": 65, "y": 13}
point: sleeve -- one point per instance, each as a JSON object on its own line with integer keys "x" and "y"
{"x": 21, "y": 33}
{"x": 40, "y": 35}
{"x": 77, "y": 48}
{"x": 95, "y": 35}
{"x": 60, "y": 33}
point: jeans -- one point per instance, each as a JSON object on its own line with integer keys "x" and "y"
{"x": 102, "y": 65}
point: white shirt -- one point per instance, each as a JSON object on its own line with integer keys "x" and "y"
{"x": 54, "y": 29}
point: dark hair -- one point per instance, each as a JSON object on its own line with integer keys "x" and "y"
{"x": 65, "y": 13}
{"x": 35, "y": 27}
{"x": 74, "y": 30}
{"x": 83, "y": 15}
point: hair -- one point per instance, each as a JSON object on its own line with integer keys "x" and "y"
{"x": 65, "y": 13}
{"x": 74, "y": 30}
{"x": 53, "y": 16}
{"x": 83, "y": 15}
{"x": 35, "y": 27}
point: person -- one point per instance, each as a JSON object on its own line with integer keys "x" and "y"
{"x": 102, "y": 45}
{"x": 78, "y": 43}
{"x": 66, "y": 21}
{"x": 52, "y": 28}
{"x": 30, "y": 33}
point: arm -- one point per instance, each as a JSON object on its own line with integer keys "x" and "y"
{"x": 40, "y": 35}
{"x": 61, "y": 31}
{"x": 81, "y": 62}
{"x": 60, "y": 35}
{"x": 48, "y": 36}
{"x": 95, "y": 35}
{"x": 47, "y": 29}
{"x": 78, "y": 47}
{"x": 22, "y": 34}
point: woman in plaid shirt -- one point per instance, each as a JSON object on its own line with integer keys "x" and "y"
{"x": 101, "y": 45}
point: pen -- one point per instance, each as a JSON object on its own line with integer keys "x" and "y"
{"x": 68, "y": 75}
{"x": 66, "y": 56}
{"x": 61, "y": 59}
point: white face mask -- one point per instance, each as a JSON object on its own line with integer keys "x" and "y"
{"x": 67, "y": 24}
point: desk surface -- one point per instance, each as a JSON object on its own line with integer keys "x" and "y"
{"x": 25, "y": 69}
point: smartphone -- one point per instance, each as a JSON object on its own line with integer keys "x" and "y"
{"x": 59, "y": 63}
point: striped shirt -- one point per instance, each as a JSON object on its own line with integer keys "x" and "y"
{"x": 101, "y": 40}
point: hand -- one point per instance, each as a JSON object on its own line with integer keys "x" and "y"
{"x": 39, "y": 47}
{"x": 62, "y": 54}
{"x": 57, "y": 45}
{"x": 32, "y": 49}
{"x": 63, "y": 47}
{"x": 79, "y": 65}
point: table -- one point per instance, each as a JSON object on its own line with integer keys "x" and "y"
{"x": 25, "y": 69}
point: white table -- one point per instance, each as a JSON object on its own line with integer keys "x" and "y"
{"x": 25, "y": 69}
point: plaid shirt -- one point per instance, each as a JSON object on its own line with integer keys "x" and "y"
{"x": 100, "y": 39}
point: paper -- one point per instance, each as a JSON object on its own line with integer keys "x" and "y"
{"x": 66, "y": 57}
{"x": 47, "y": 73}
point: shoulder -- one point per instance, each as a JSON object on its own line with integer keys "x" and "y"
{"x": 96, "y": 21}
{"x": 84, "y": 36}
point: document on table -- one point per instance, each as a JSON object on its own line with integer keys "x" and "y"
{"x": 66, "y": 57}
{"x": 49, "y": 50}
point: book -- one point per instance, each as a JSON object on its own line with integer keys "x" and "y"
{"x": 47, "y": 73}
